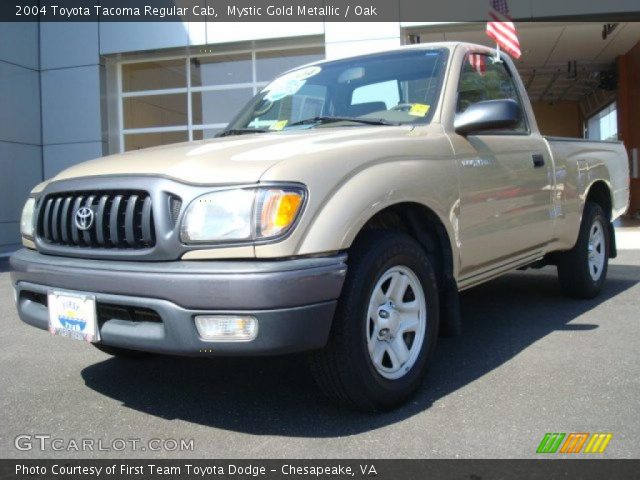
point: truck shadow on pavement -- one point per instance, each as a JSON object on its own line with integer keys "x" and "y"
{"x": 277, "y": 396}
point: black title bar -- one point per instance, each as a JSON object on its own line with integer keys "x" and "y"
{"x": 546, "y": 469}
{"x": 309, "y": 10}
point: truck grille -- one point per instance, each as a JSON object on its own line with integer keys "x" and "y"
{"x": 114, "y": 220}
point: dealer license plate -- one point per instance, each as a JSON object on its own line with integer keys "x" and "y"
{"x": 73, "y": 315}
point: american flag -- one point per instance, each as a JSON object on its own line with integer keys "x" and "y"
{"x": 478, "y": 62}
{"x": 502, "y": 29}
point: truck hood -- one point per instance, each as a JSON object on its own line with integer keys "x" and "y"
{"x": 236, "y": 159}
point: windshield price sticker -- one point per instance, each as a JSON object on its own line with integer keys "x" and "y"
{"x": 419, "y": 110}
{"x": 279, "y": 125}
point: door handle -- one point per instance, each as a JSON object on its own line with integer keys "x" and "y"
{"x": 538, "y": 160}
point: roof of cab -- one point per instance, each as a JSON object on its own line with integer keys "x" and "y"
{"x": 418, "y": 46}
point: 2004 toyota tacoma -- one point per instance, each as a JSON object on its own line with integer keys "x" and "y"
{"x": 340, "y": 212}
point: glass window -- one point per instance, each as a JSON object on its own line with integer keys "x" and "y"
{"x": 388, "y": 88}
{"x": 272, "y": 63}
{"x": 155, "y": 111}
{"x": 382, "y": 92}
{"x": 307, "y": 103}
{"x": 146, "y": 140}
{"x": 154, "y": 75}
{"x": 310, "y": 102}
{"x": 219, "y": 86}
{"x": 221, "y": 70}
{"x": 206, "y": 133}
{"x": 484, "y": 79}
{"x": 604, "y": 124}
{"x": 217, "y": 106}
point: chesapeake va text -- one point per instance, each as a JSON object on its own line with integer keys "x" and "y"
{"x": 246, "y": 470}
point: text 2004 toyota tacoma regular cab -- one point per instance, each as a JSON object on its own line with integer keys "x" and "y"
{"x": 340, "y": 212}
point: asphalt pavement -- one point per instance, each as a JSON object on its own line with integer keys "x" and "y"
{"x": 529, "y": 362}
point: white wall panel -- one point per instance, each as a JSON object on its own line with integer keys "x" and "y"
{"x": 345, "y": 49}
{"x": 59, "y": 157}
{"x": 19, "y": 43}
{"x": 19, "y": 104}
{"x": 21, "y": 167}
{"x": 345, "y": 38}
{"x": 351, "y": 31}
{"x": 118, "y": 37}
{"x": 224, "y": 32}
{"x": 71, "y": 105}
{"x": 68, "y": 44}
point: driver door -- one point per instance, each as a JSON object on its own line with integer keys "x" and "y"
{"x": 505, "y": 177}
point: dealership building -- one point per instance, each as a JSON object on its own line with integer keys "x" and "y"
{"x": 76, "y": 91}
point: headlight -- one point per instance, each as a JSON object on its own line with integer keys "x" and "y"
{"x": 242, "y": 214}
{"x": 27, "y": 219}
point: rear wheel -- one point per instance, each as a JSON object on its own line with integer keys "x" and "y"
{"x": 583, "y": 269}
{"x": 386, "y": 325}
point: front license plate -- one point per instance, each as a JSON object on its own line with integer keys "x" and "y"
{"x": 73, "y": 315}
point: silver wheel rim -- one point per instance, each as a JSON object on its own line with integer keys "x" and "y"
{"x": 596, "y": 246}
{"x": 396, "y": 322}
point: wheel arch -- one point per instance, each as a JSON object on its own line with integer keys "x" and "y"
{"x": 421, "y": 223}
{"x": 599, "y": 192}
{"x": 428, "y": 229}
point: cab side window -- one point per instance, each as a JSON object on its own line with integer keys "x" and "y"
{"x": 483, "y": 79}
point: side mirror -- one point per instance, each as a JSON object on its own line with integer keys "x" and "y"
{"x": 488, "y": 115}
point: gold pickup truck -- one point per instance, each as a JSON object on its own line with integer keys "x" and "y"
{"x": 339, "y": 213}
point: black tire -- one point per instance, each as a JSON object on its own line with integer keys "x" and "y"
{"x": 344, "y": 369}
{"x": 122, "y": 352}
{"x": 574, "y": 270}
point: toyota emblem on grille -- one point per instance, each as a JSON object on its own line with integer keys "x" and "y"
{"x": 84, "y": 218}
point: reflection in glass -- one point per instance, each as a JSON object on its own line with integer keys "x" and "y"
{"x": 218, "y": 106}
{"x": 206, "y": 134}
{"x": 391, "y": 88}
{"x": 271, "y": 64}
{"x": 222, "y": 85}
{"x": 154, "y": 75}
{"x": 221, "y": 70}
{"x": 146, "y": 140}
{"x": 155, "y": 111}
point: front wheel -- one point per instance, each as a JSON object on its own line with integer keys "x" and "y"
{"x": 386, "y": 325}
{"x": 583, "y": 269}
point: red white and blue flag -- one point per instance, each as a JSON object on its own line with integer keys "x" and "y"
{"x": 502, "y": 29}
{"x": 479, "y": 62}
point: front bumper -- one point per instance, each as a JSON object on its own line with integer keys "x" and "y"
{"x": 151, "y": 306}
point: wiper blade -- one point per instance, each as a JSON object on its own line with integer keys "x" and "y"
{"x": 241, "y": 131}
{"x": 326, "y": 119}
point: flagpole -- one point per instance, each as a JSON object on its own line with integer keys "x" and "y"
{"x": 497, "y": 59}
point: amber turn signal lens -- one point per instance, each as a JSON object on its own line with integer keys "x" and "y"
{"x": 278, "y": 211}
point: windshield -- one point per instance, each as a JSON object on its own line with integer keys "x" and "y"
{"x": 391, "y": 88}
